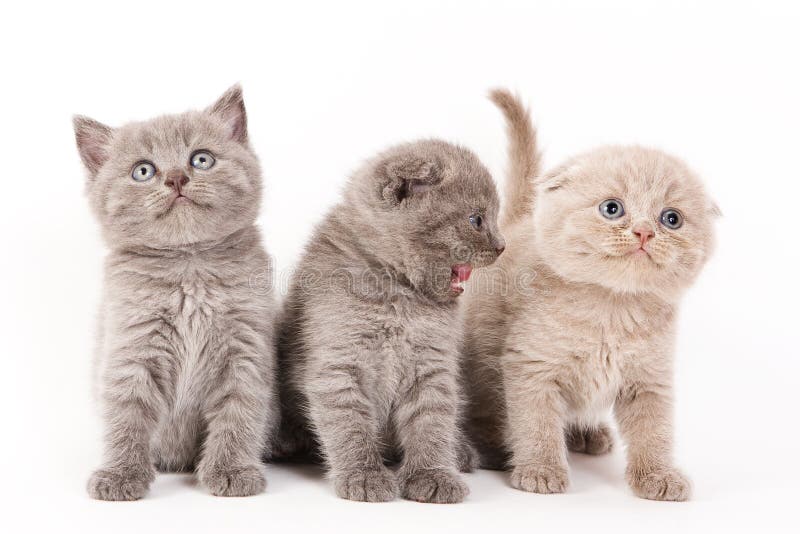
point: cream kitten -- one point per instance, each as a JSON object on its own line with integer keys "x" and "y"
{"x": 186, "y": 357}
{"x": 579, "y": 314}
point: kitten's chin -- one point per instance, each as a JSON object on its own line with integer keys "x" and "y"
{"x": 178, "y": 206}
{"x": 632, "y": 273}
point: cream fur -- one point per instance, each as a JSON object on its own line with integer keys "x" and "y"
{"x": 569, "y": 322}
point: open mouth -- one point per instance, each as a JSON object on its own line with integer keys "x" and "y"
{"x": 459, "y": 274}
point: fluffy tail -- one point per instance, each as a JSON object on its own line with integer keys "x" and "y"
{"x": 523, "y": 154}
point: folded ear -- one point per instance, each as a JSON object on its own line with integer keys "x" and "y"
{"x": 553, "y": 180}
{"x": 93, "y": 139}
{"x": 408, "y": 176}
{"x": 230, "y": 109}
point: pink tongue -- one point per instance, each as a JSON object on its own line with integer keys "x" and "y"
{"x": 462, "y": 271}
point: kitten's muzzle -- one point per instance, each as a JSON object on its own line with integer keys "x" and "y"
{"x": 644, "y": 231}
{"x": 176, "y": 180}
{"x": 499, "y": 244}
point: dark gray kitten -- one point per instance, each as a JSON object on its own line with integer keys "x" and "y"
{"x": 369, "y": 342}
{"x": 186, "y": 360}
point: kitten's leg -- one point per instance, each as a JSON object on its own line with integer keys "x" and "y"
{"x": 294, "y": 441}
{"x": 343, "y": 417}
{"x": 427, "y": 425}
{"x": 468, "y": 458}
{"x": 535, "y": 430}
{"x": 590, "y": 440}
{"x": 645, "y": 422}
{"x": 486, "y": 428}
{"x": 239, "y": 411}
{"x": 177, "y": 441}
{"x": 132, "y": 393}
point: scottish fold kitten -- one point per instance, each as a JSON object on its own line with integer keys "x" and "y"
{"x": 186, "y": 361}
{"x": 369, "y": 342}
{"x": 579, "y": 313}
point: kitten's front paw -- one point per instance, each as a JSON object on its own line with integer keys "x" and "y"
{"x": 233, "y": 481}
{"x": 368, "y": 485}
{"x": 119, "y": 484}
{"x": 661, "y": 485}
{"x": 434, "y": 485}
{"x": 596, "y": 440}
{"x": 540, "y": 478}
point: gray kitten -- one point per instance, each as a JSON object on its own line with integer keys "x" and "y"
{"x": 186, "y": 360}
{"x": 368, "y": 347}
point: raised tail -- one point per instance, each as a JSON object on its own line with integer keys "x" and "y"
{"x": 523, "y": 155}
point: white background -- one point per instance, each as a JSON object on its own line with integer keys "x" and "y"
{"x": 328, "y": 84}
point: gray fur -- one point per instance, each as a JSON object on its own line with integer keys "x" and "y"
{"x": 186, "y": 360}
{"x": 369, "y": 342}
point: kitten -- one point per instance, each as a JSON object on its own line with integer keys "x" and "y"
{"x": 186, "y": 359}
{"x": 579, "y": 314}
{"x": 368, "y": 348}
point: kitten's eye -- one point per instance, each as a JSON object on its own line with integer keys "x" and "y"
{"x": 612, "y": 208}
{"x": 202, "y": 160}
{"x": 476, "y": 221}
{"x": 143, "y": 171}
{"x": 671, "y": 218}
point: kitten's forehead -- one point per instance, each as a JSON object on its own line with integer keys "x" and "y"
{"x": 169, "y": 133}
{"x": 471, "y": 183}
{"x": 640, "y": 175}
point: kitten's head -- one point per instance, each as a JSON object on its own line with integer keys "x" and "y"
{"x": 174, "y": 180}
{"x": 434, "y": 208}
{"x": 627, "y": 218}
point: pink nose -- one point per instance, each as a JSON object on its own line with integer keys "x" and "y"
{"x": 644, "y": 232}
{"x": 176, "y": 180}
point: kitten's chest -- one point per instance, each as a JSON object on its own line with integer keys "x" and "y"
{"x": 600, "y": 325}
{"x": 594, "y": 366}
{"x": 596, "y": 342}
{"x": 197, "y": 308}
{"x": 404, "y": 327}
{"x": 408, "y": 336}
{"x": 410, "y": 341}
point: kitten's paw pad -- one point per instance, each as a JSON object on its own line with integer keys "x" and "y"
{"x": 663, "y": 485}
{"x": 234, "y": 481}
{"x": 119, "y": 484}
{"x": 540, "y": 478}
{"x": 598, "y": 440}
{"x": 368, "y": 485}
{"x": 468, "y": 458}
{"x": 436, "y": 486}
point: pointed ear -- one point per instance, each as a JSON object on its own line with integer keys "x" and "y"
{"x": 408, "y": 176}
{"x": 93, "y": 139}
{"x": 230, "y": 109}
{"x": 715, "y": 210}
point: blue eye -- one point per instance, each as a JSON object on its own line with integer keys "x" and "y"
{"x": 671, "y": 218}
{"x": 143, "y": 171}
{"x": 476, "y": 221}
{"x": 202, "y": 160}
{"x": 612, "y": 208}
